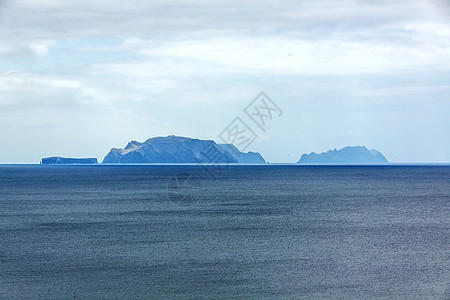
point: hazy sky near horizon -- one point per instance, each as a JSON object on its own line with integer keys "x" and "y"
{"x": 80, "y": 77}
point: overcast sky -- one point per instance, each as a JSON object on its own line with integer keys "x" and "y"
{"x": 80, "y": 77}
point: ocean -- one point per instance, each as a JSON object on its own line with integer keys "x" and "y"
{"x": 250, "y": 232}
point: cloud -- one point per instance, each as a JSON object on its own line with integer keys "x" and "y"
{"x": 252, "y": 36}
{"x": 330, "y": 56}
{"x": 16, "y": 48}
{"x": 20, "y": 91}
{"x": 50, "y": 19}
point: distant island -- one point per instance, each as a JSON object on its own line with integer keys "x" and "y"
{"x": 347, "y": 155}
{"x": 56, "y": 160}
{"x": 177, "y": 149}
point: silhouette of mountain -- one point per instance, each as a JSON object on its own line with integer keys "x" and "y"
{"x": 177, "y": 149}
{"x": 347, "y": 155}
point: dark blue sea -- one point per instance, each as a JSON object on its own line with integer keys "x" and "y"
{"x": 252, "y": 232}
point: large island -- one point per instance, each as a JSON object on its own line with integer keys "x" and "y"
{"x": 177, "y": 149}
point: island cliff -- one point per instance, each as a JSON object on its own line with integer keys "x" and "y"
{"x": 241, "y": 157}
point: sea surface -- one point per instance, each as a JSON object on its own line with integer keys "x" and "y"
{"x": 249, "y": 232}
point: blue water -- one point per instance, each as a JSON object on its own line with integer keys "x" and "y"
{"x": 289, "y": 232}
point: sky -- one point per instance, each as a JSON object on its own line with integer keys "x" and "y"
{"x": 80, "y": 77}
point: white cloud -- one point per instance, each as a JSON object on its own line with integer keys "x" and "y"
{"x": 19, "y": 89}
{"x": 330, "y": 56}
{"x": 37, "y": 48}
{"x": 58, "y": 19}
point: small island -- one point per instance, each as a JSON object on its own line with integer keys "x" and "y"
{"x": 56, "y": 160}
{"x": 347, "y": 155}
